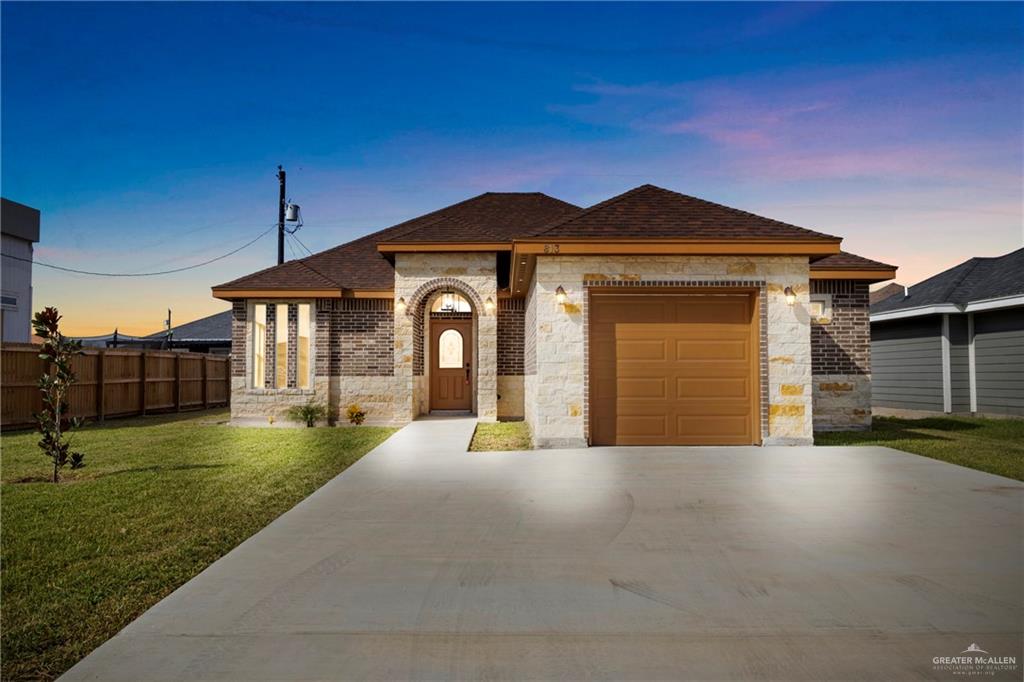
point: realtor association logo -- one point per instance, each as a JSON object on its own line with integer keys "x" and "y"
{"x": 974, "y": 662}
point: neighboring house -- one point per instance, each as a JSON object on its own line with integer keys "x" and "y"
{"x": 885, "y": 292}
{"x": 211, "y": 334}
{"x": 19, "y": 230}
{"x": 650, "y": 318}
{"x": 954, "y": 343}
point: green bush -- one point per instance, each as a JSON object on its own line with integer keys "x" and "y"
{"x": 308, "y": 413}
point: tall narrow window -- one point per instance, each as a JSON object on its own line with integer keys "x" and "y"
{"x": 259, "y": 344}
{"x": 302, "y": 373}
{"x": 281, "y": 346}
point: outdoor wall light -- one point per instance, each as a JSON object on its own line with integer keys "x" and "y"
{"x": 489, "y": 305}
{"x": 400, "y": 306}
{"x": 560, "y": 295}
{"x": 790, "y": 296}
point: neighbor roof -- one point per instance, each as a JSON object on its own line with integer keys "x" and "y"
{"x": 489, "y": 217}
{"x": 216, "y": 327}
{"x": 977, "y": 279}
{"x": 649, "y": 212}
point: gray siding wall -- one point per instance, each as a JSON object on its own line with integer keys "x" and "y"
{"x": 959, "y": 364}
{"x": 999, "y": 356}
{"x": 906, "y": 359}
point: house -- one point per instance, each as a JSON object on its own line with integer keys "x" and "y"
{"x": 19, "y": 230}
{"x": 650, "y": 318}
{"x": 954, "y": 343}
{"x": 210, "y": 334}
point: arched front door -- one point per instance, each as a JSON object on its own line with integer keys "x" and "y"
{"x": 451, "y": 380}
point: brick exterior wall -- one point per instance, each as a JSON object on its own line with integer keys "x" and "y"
{"x": 239, "y": 345}
{"x": 530, "y": 333}
{"x": 843, "y": 345}
{"x": 511, "y": 318}
{"x": 361, "y": 337}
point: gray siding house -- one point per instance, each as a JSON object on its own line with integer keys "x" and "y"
{"x": 953, "y": 344}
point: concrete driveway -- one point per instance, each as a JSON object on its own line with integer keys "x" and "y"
{"x": 424, "y": 561}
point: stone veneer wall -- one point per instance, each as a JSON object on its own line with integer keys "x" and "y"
{"x": 841, "y": 357}
{"x": 417, "y": 277}
{"x": 530, "y": 355}
{"x": 555, "y": 397}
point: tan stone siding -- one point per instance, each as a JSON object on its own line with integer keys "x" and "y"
{"x": 418, "y": 277}
{"x": 555, "y": 399}
{"x": 842, "y": 402}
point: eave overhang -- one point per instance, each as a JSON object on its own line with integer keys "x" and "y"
{"x": 870, "y": 276}
{"x": 999, "y": 303}
{"x": 229, "y": 294}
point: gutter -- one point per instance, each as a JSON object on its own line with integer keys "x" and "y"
{"x": 997, "y": 303}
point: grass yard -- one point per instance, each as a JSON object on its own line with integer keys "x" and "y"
{"x": 501, "y": 436}
{"x": 160, "y": 499}
{"x": 992, "y": 445}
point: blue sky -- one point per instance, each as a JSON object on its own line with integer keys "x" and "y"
{"x": 149, "y": 134}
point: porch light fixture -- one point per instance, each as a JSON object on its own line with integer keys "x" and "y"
{"x": 489, "y": 305}
{"x": 400, "y": 305}
{"x": 790, "y": 296}
{"x": 560, "y": 295}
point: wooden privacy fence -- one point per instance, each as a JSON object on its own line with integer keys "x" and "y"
{"x": 115, "y": 383}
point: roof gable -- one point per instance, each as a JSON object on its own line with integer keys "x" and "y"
{"x": 977, "y": 279}
{"x": 649, "y": 212}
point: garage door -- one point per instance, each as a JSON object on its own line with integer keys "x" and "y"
{"x": 673, "y": 369}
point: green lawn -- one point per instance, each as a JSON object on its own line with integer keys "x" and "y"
{"x": 501, "y": 436}
{"x": 992, "y": 445}
{"x": 160, "y": 499}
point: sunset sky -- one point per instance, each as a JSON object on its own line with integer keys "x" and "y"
{"x": 149, "y": 135}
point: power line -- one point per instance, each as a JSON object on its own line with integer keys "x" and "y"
{"x": 143, "y": 274}
{"x": 301, "y": 244}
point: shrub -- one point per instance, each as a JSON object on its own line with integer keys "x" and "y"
{"x": 308, "y": 413}
{"x": 356, "y": 414}
{"x": 55, "y": 384}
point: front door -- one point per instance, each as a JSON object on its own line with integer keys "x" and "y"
{"x": 450, "y": 365}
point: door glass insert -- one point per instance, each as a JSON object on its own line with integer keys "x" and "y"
{"x": 449, "y": 349}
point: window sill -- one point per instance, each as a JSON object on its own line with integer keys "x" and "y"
{"x": 279, "y": 391}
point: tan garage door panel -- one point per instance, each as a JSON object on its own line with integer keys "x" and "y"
{"x": 673, "y": 369}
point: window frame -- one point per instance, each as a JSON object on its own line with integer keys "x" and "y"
{"x": 251, "y": 336}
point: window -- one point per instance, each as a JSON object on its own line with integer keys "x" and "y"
{"x": 450, "y": 303}
{"x": 302, "y": 374}
{"x": 281, "y": 346}
{"x": 449, "y": 349}
{"x": 9, "y": 301}
{"x": 820, "y": 308}
{"x": 259, "y": 344}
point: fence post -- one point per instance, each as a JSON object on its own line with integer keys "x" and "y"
{"x": 206, "y": 381}
{"x": 142, "y": 383}
{"x": 101, "y": 371}
{"x": 227, "y": 381}
{"x": 177, "y": 382}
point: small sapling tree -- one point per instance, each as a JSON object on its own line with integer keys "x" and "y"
{"x": 53, "y": 421}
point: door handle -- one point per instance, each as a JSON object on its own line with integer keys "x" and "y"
{"x": 467, "y": 372}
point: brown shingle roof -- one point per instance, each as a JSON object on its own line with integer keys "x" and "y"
{"x": 849, "y": 261}
{"x": 492, "y": 216}
{"x": 653, "y": 212}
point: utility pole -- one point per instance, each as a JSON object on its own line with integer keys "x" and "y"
{"x": 280, "y": 218}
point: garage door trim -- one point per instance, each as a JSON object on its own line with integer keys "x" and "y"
{"x": 754, "y": 289}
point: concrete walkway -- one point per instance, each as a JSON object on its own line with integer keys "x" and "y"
{"x": 424, "y": 561}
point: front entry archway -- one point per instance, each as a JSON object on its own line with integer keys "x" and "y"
{"x": 451, "y": 365}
